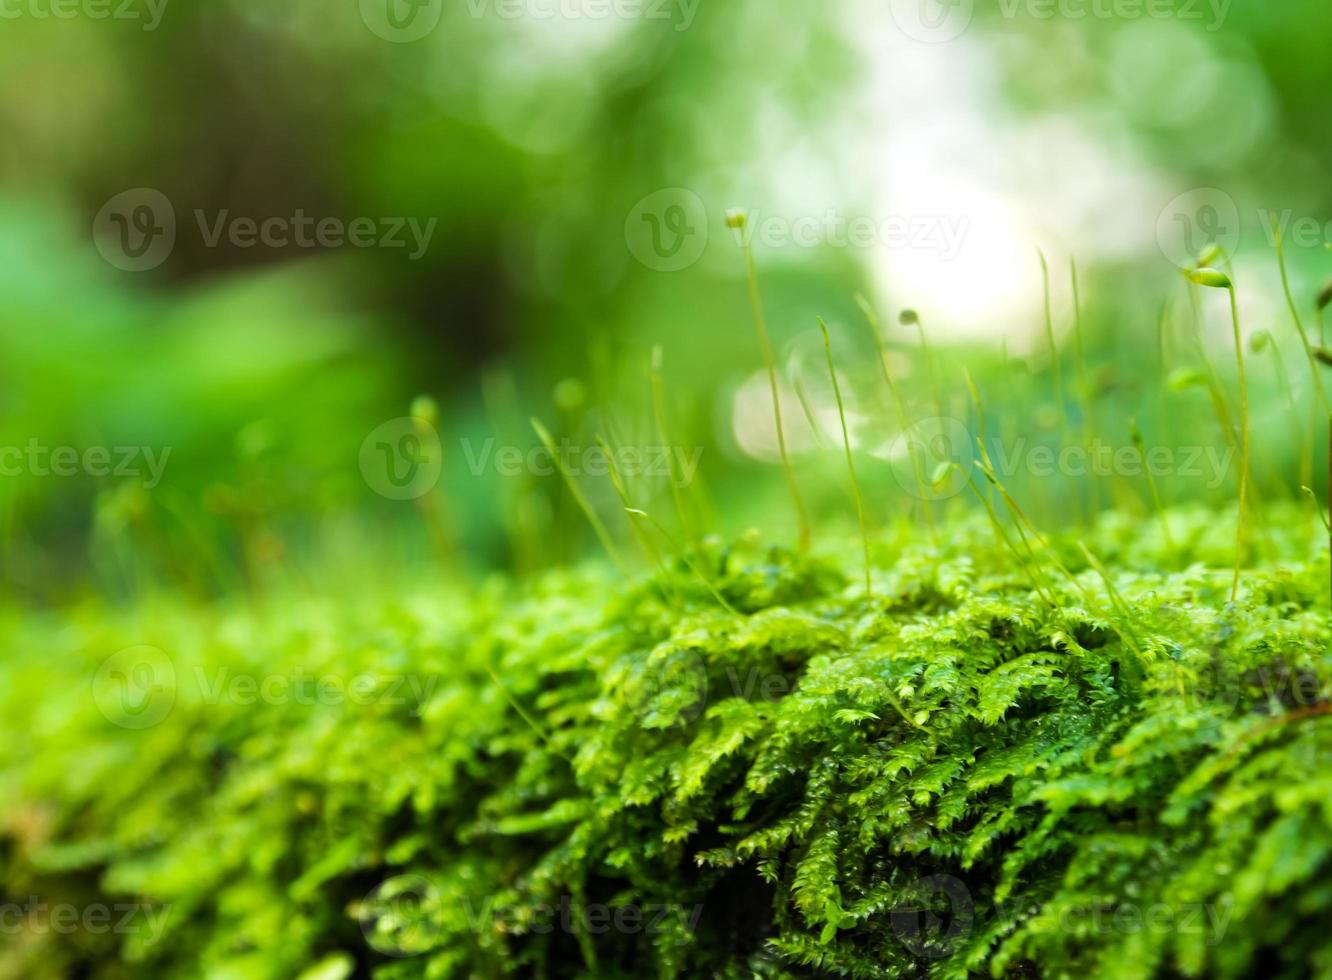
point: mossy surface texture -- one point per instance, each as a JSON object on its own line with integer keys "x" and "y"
{"x": 582, "y": 776}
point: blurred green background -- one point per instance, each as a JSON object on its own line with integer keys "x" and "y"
{"x": 574, "y": 161}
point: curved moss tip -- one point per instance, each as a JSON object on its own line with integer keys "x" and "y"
{"x": 1260, "y": 341}
{"x": 939, "y": 476}
{"x": 1209, "y": 256}
{"x": 1212, "y": 278}
{"x": 735, "y": 219}
{"x": 425, "y": 410}
{"x": 1323, "y": 355}
{"x": 908, "y": 318}
{"x": 1135, "y": 434}
{"x": 1325, "y": 295}
{"x": 1182, "y": 378}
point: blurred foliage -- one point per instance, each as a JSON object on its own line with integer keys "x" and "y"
{"x": 529, "y": 140}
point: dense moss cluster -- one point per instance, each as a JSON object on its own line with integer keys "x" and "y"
{"x": 574, "y": 777}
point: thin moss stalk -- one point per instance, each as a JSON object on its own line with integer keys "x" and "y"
{"x": 903, "y": 421}
{"x": 500, "y": 402}
{"x": 1260, "y": 342}
{"x": 1230, "y": 429}
{"x": 1295, "y": 315}
{"x": 1136, "y": 435}
{"x": 736, "y": 221}
{"x": 1214, "y": 279}
{"x": 911, "y": 318}
{"x": 664, "y": 433}
{"x": 1054, "y": 349}
{"x": 579, "y": 497}
{"x": 850, "y": 463}
{"x": 1244, "y": 432}
{"x": 693, "y": 567}
{"x": 650, "y": 551}
{"x": 1085, "y": 400}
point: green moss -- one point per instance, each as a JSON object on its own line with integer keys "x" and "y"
{"x": 576, "y": 777}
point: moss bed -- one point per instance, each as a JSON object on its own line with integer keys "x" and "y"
{"x": 581, "y": 776}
